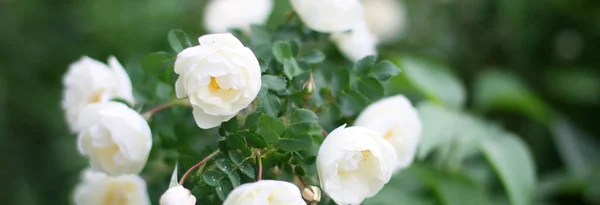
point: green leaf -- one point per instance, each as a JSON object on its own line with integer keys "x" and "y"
{"x": 255, "y": 140}
{"x": 340, "y": 80}
{"x": 313, "y": 57}
{"x": 352, "y": 102}
{"x": 267, "y": 102}
{"x": 497, "y": 89}
{"x": 310, "y": 160}
{"x": 211, "y": 177}
{"x": 299, "y": 171}
{"x": 264, "y": 66}
{"x": 234, "y": 177}
{"x": 384, "y": 70}
{"x": 302, "y": 119}
{"x": 270, "y": 128}
{"x": 371, "y": 88}
{"x": 248, "y": 170}
{"x": 577, "y": 149}
{"x": 178, "y": 40}
{"x": 291, "y": 68}
{"x": 282, "y": 51}
{"x": 224, "y": 165}
{"x": 362, "y": 66}
{"x": 231, "y": 125}
{"x": 163, "y": 91}
{"x": 432, "y": 80}
{"x": 292, "y": 145}
{"x": 156, "y": 63}
{"x": 223, "y": 189}
{"x": 276, "y": 83}
{"x": 252, "y": 121}
{"x": 236, "y": 157}
{"x": 236, "y": 141}
{"x": 514, "y": 165}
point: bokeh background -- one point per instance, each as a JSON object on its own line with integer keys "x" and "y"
{"x": 551, "y": 49}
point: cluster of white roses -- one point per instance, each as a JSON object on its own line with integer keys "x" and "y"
{"x": 219, "y": 78}
{"x": 356, "y": 26}
{"x": 116, "y": 139}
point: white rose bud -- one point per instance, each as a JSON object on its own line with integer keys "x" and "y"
{"x": 265, "y": 192}
{"x": 354, "y": 163}
{"x": 221, "y": 15}
{"x": 177, "y": 195}
{"x": 357, "y": 43}
{"x": 116, "y": 138}
{"x": 329, "y": 15}
{"x": 398, "y": 121}
{"x": 220, "y": 77}
{"x": 90, "y": 81}
{"x": 385, "y": 18}
{"x": 98, "y": 189}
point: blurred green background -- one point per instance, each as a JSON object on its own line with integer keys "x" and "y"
{"x": 544, "y": 56}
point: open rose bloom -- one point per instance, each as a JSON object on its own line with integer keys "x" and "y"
{"x": 220, "y": 77}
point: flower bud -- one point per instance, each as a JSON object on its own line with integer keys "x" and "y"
{"x": 312, "y": 194}
{"x": 177, "y": 195}
{"x": 309, "y": 86}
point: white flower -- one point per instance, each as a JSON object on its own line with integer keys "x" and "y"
{"x": 398, "y": 121}
{"x": 221, "y": 15}
{"x": 329, "y": 15}
{"x": 116, "y": 138}
{"x": 220, "y": 77}
{"x": 265, "y": 192}
{"x": 357, "y": 43}
{"x": 354, "y": 163}
{"x": 177, "y": 195}
{"x": 90, "y": 81}
{"x": 98, "y": 189}
{"x": 385, "y": 18}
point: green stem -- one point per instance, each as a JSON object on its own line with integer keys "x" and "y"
{"x": 198, "y": 165}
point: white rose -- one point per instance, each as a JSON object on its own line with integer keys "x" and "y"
{"x": 354, "y": 163}
{"x": 220, "y": 77}
{"x": 98, "y": 189}
{"x": 329, "y": 15}
{"x": 357, "y": 43}
{"x": 265, "y": 192}
{"x": 398, "y": 121}
{"x": 385, "y": 18}
{"x": 177, "y": 195}
{"x": 221, "y": 15}
{"x": 90, "y": 81}
{"x": 116, "y": 138}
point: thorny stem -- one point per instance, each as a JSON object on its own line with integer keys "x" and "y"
{"x": 159, "y": 108}
{"x": 197, "y": 165}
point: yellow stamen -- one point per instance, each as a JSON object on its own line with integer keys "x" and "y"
{"x": 96, "y": 97}
{"x": 366, "y": 154}
{"x": 389, "y": 134}
{"x": 213, "y": 86}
